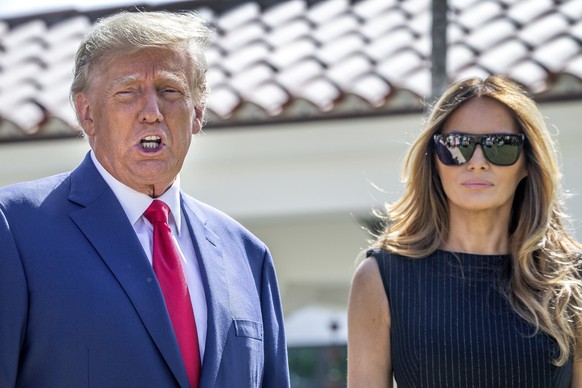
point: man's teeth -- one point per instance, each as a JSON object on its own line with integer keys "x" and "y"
{"x": 151, "y": 142}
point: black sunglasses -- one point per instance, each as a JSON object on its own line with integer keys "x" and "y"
{"x": 456, "y": 149}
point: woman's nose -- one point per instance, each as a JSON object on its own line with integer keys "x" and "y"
{"x": 478, "y": 160}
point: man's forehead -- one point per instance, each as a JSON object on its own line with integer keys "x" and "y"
{"x": 145, "y": 60}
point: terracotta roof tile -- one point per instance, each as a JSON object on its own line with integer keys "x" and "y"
{"x": 472, "y": 70}
{"x": 239, "y": 16}
{"x": 22, "y": 34}
{"x": 325, "y": 11}
{"x": 16, "y": 96}
{"x": 575, "y": 66}
{"x": 71, "y": 29}
{"x": 289, "y": 32}
{"x": 340, "y": 26}
{"x": 459, "y": 56}
{"x": 251, "y": 77}
{"x": 500, "y": 58}
{"x": 398, "y": 65}
{"x": 526, "y": 11}
{"x": 222, "y": 101}
{"x": 25, "y": 72}
{"x": 377, "y": 25}
{"x": 372, "y": 88}
{"x": 294, "y": 77}
{"x": 543, "y": 29}
{"x": 419, "y": 81}
{"x": 555, "y": 54}
{"x": 283, "y": 12}
{"x": 571, "y": 9}
{"x": 455, "y": 33}
{"x": 215, "y": 76}
{"x": 368, "y": 9}
{"x": 479, "y": 14}
{"x": 240, "y": 37}
{"x": 420, "y": 23}
{"x": 320, "y": 92}
{"x": 463, "y": 5}
{"x": 423, "y": 45}
{"x": 530, "y": 73}
{"x": 245, "y": 57}
{"x": 3, "y": 29}
{"x": 576, "y": 31}
{"x": 26, "y": 115}
{"x": 269, "y": 96}
{"x": 29, "y": 51}
{"x": 335, "y": 51}
{"x": 346, "y": 72}
{"x": 490, "y": 34}
{"x": 415, "y": 7}
{"x": 214, "y": 56}
{"x": 390, "y": 43}
{"x": 291, "y": 53}
{"x": 300, "y": 59}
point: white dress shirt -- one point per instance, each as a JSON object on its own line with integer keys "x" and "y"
{"x": 135, "y": 204}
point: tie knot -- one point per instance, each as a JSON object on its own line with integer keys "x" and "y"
{"x": 157, "y": 212}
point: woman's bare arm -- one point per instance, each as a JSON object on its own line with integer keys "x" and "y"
{"x": 369, "y": 360}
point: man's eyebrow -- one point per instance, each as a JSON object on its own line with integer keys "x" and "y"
{"x": 171, "y": 76}
{"x": 128, "y": 79}
{"x": 163, "y": 76}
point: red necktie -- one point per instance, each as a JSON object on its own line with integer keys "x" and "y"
{"x": 166, "y": 263}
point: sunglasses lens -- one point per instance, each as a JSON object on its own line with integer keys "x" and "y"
{"x": 452, "y": 151}
{"x": 457, "y": 149}
{"x": 503, "y": 154}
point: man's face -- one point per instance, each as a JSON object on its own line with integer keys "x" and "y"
{"x": 139, "y": 115}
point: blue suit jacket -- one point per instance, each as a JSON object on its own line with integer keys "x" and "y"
{"x": 80, "y": 305}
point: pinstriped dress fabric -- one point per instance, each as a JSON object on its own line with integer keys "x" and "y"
{"x": 451, "y": 327}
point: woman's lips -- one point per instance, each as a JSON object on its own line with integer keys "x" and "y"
{"x": 477, "y": 184}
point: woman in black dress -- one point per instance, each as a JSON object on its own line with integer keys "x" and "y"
{"x": 474, "y": 281}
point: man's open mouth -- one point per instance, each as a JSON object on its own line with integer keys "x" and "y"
{"x": 151, "y": 143}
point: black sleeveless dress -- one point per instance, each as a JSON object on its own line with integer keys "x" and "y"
{"x": 451, "y": 327}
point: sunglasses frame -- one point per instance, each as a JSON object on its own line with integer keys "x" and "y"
{"x": 486, "y": 141}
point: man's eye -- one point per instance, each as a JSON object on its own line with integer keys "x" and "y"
{"x": 125, "y": 92}
{"x": 171, "y": 93}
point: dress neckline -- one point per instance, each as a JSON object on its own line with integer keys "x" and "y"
{"x": 468, "y": 254}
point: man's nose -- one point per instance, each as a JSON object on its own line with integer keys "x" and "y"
{"x": 151, "y": 112}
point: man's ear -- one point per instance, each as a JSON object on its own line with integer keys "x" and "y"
{"x": 198, "y": 121}
{"x": 84, "y": 114}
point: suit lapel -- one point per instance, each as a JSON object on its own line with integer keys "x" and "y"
{"x": 213, "y": 272}
{"x": 105, "y": 225}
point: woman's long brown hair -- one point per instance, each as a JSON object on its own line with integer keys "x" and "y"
{"x": 544, "y": 285}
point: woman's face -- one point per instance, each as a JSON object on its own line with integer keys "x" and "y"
{"x": 479, "y": 185}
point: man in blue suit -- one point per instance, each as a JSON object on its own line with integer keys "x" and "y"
{"x": 80, "y": 303}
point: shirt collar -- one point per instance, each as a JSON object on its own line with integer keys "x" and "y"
{"x": 135, "y": 203}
